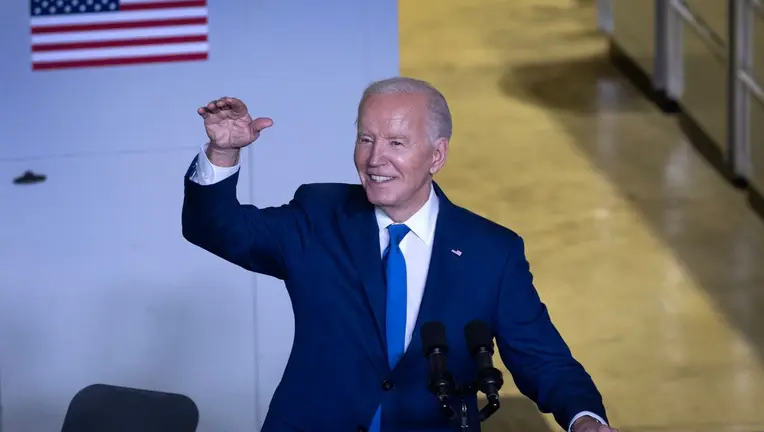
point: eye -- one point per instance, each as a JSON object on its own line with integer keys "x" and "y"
{"x": 396, "y": 143}
{"x": 364, "y": 140}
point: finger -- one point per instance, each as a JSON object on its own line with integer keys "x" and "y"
{"x": 213, "y": 107}
{"x": 222, "y": 104}
{"x": 260, "y": 123}
{"x": 238, "y": 107}
{"x": 203, "y": 112}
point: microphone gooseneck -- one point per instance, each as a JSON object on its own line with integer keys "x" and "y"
{"x": 440, "y": 382}
{"x": 489, "y": 379}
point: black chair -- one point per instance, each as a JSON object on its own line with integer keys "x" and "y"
{"x": 107, "y": 408}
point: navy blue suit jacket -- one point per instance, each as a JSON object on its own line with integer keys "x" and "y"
{"x": 324, "y": 244}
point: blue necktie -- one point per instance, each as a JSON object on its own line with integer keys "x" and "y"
{"x": 395, "y": 271}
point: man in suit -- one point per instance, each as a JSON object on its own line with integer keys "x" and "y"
{"x": 366, "y": 265}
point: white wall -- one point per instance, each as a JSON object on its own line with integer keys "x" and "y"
{"x": 96, "y": 282}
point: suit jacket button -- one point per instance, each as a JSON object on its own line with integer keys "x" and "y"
{"x": 361, "y": 429}
{"x": 387, "y": 385}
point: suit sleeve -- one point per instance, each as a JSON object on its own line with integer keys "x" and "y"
{"x": 539, "y": 360}
{"x": 268, "y": 240}
{"x": 205, "y": 173}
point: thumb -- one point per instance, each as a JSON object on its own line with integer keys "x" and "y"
{"x": 259, "y": 124}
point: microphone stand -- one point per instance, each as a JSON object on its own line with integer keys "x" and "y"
{"x": 461, "y": 393}
{"x": 441, "y": 382}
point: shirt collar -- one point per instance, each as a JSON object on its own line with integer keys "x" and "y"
{"x": 421, "y": 223}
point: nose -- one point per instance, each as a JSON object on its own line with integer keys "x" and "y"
{"x": 377, "y": 156}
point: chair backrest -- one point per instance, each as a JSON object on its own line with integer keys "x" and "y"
{"x": 107, "y": 408}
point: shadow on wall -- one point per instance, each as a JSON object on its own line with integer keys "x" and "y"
{"x": 569, "y": 86}
{"x": 544, "y": 19}
{"x": 722, "y": 258}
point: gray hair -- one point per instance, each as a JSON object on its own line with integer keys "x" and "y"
{"x": 439, "y": 123}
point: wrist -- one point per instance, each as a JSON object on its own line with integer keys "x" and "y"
{"x": 222, "y": 157}
{"x": 585, "y": 423}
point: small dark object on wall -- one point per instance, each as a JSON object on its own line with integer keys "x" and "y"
{"x": 29, "y": 177}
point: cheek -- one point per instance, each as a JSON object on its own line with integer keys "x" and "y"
{"x": 359, "y": 158}
{"x": 411, "y": 166}
{"x": 399, "y": 165}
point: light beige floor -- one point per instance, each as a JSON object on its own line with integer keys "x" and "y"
{"x": 652, "y": 267}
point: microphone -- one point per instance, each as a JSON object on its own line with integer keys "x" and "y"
{"x": 440, "y": 381}
{"x": 489, "y": 379}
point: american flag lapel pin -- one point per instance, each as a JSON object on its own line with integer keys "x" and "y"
{"x": 456, "y": 252}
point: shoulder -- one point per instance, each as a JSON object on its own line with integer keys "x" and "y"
{"x": 487, "y": 234}
{"x": 501, "y": 249}
{"x": 480, "y": 225}
{"x": 328, "y": 195}
{"x": 328, "y": 191}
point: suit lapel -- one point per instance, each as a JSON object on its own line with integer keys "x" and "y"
{"x": 361, "y": 235}
{"x": 442, "y": 274}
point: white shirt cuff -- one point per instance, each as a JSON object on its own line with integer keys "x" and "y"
{"x": 585, "y": 413}
{"x": 205, "y": 173}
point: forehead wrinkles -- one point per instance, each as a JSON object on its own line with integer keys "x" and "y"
{"x": 398, "y": 119}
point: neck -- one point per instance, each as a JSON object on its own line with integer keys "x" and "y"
{"x": 403, "y": 213}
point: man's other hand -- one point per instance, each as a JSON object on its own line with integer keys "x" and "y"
{"x": 588, "y": 424}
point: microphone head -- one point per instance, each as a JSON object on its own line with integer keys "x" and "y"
{"x": 433, "y": 336}
{"x": 478, "y": 336}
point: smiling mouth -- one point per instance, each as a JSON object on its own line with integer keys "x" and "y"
{"x": 379, "y": 179}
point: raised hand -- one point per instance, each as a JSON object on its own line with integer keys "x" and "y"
{"x": 230, "y": 128}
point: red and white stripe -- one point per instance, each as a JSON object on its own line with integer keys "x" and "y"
{"x": 143, "y": 31}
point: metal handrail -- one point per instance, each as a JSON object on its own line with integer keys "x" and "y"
{"x": 712, "y": 41}
{"x": 751, "y": 85}
{"x": 746, "y": 76}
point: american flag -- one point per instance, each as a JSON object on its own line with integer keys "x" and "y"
{"x": 91, "y": 33}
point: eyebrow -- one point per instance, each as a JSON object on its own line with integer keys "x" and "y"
{"x": 387, "y": 137}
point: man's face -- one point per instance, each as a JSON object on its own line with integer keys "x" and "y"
{"x": 393, "y": 155}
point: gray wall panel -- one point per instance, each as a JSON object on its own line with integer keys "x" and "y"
{"x": 705, "y": 92}
{"x": 634, "y": 30}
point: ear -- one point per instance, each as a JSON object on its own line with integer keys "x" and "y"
{"x": 439, "y": 154}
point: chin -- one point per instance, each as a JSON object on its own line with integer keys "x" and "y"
{"x": 378, "y": 196}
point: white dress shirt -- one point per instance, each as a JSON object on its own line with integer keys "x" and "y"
{"x": 416, "y": 244}
{"x": 417, "y": 250}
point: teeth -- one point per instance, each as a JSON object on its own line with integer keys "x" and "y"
{"x": 379, "y": 179}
